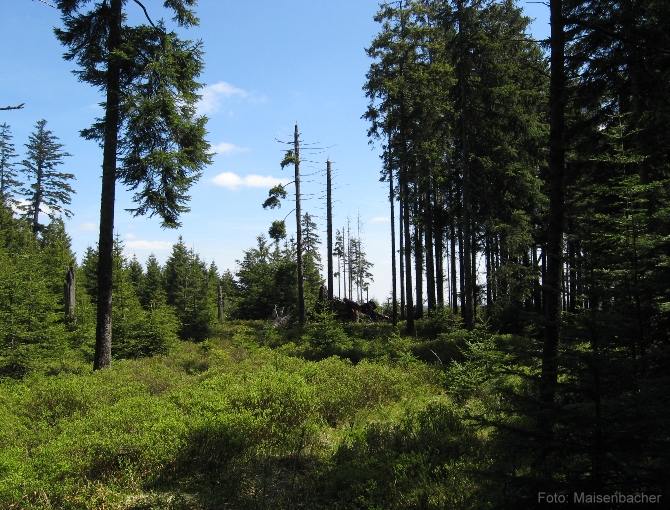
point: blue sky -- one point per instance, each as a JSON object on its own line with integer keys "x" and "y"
{"x": 268, "y": 64}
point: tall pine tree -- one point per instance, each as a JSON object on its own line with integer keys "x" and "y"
{"x": 148, "y": 76}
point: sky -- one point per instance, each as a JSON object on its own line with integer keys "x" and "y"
{"x": 268, "y": 65}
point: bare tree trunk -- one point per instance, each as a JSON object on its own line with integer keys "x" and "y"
{"x": 38, "y": 199}
{"x": 473, "y": 276}
{"x": 454, "y": 282}
{"x": 461, "y": 271}
{"x": 329, "y": 227}
{"x": 344, "y": 262}
{"x": 528, "y": 302}
{"x": 418, "y": 266}
{"x": 430, "y": 254}
{"x": 537, "y": 291}
{"x": 301, "y": 276}
{"x": 393, "y": 265}
{"x": 438, "y": 235}
{"x": 489, "y": 276}
{"x": 408, "y": 260}
{"x": 69, "y": 296}
{"x": 350, "y": 261}
{"x": 103, "y": 331}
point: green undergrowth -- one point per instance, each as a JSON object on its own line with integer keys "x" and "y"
{"x": 234, "y": 423}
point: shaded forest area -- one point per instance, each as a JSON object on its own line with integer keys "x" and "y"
{"x": 526, "y": 351}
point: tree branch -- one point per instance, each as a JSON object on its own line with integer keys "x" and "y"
{"x": 145, "y": 12}
{"x": 573, "y": 20}
{"x": 13, "y": 107}
{"x": 47, "y": 3}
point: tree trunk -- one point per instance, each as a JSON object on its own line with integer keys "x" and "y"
{"x": 393, "y": 268}
{"x": 329, "y": 227}
{"x": 489, "y": 276}
{"x": 473, "y": 276}
{"x": 103, "y": 332}
{"x": 537, "y": 291}
{"x": 301, "y": 276}
{"x": 38, "y": 199}
{"x": 438, "y": 234}
{"x": 418, "y": 266}
{"x": 430, "y": 254}
{"x": 461, "y": 272}
{"x": 466, "y": 274}
{"x": 454, "y": 282}
{"x": 220, "y": 303}
{"x": 69, "y": 295}
{"x": 552, "y": 305}
{"x": 408, "y": 260}
{"x": 401, "y": 231}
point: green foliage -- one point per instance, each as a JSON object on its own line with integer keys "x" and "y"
{"x": 190, "y": 289}
{"x": 289, "y": 159}
{"x": 427, "y": 461}
{"x": 151, "y": 427}
{"x": 32, "y": 328}
{"x": 439, "y": 321}
{"x": 138, "y": 332}
{"x": 277, "y": 231}
{"x": 267, "y": 279}
{"x": 150, "y": 290}
{"x": 326, "y": 336}
{"x": 47, "y": 187}
{"x": 8, "y": 182}
{"x": 161, "y": 140}
{"x": 89, "y": 273}
{"x": 274, "y": 195}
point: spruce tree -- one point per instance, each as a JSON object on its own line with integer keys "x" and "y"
{"x": 148, "y": 76}
{"x": 8, "y": 181}
{"x": 48, "y": 187}
{"x": 311, "y": 240}
{"x": 150, "y": 290}
{"x": 188, "y": 290}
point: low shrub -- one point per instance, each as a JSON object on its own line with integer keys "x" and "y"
{"x": 425, "y": 461}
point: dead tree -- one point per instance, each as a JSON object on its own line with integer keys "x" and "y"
{"x": 68, "y": 291}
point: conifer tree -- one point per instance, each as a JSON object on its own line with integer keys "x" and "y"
{"x": 151, "y": 291}
{"x": 148, "y": 76}
{"x": 48, "y": 187}
{"x": 8, "y": 181}
{"x": 136, "y": 272}
{"x": 89, "y": 270}
{"x": 311, "y": 240}
{"x": 187, "y": 289}
{"x": 138, "y": 332}
{"x": 31, "y": 300}
{"x": 339, "y": 252}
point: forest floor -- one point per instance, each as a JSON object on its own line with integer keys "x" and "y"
{"x": 330, "y": 416}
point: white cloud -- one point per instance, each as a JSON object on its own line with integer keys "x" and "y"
{"x": 231, "y": 180}
{"x": 88, "y": 226}
{"x": 228, "y": 148}
{"x": 142, "y": 244}
{"x": 379, "y": 219}
{"x": 213, "y": 95}
{"x": 130, "y": 235}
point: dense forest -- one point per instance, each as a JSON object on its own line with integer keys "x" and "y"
{"x": 522, "y": 360}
